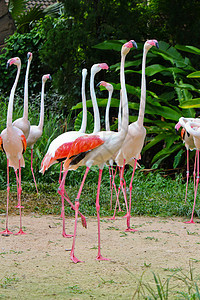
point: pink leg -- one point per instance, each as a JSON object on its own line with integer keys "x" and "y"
{"x": 32, "y": 170}
{"x": 194, "y": 173}
{"x": 195, "y": 194}
{"x": 187, "y": 174}
{"x": 72, "y": 256}
{"x": 60, "y": 173}
{"x": 111, "y": 188}
{"x": 99, "y": 256}
{"x": 17, "y": 181}
{"x": 61, "y": 191}
{"x": 130, "y": 188}
{"x": 6, "y": 232}
{"x": 20, "y": 232}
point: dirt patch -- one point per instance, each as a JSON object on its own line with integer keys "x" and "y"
{"x": 38, "y": 265}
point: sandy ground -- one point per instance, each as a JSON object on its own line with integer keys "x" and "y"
{"x": 38, "y": 266}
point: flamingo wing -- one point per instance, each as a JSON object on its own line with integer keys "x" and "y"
{"x": 1, "y": 144}
{"x": 81, "y": 146}
{"x": 23, "y": 142}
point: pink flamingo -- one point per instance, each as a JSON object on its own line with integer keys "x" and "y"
{"x": 188, "y": 140}
{"x": 13, "y": 143}
{"x": 36, "y": 131}
{"x": 23, "y": 123}
{"x": 97, "y": 149}
{"x": 192, "y": 127}
{"x": 134, "y": 141}
{"x": 59, "y": 148}
{"x": 109, "y": 88}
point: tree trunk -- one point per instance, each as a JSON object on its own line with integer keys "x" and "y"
{"x": 7, "y": 26}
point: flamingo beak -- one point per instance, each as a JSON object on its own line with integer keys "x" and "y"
{"x": 50, "y": 78}
{"x": 157, "y": 45}
{"x": 98, "y": 84}
{"x": 134, "y": 44}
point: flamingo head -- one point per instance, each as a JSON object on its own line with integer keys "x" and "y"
{"x": 29, "y": 56}
{"x": 149, "y": 43}
{"x": 45, "y": 77}
{"x": 98, "y": 67}
{"x": 103, "y": 66}
{"x": 177, "y": 126}
{"x": 14, "y": 61}
{"x": 127, "y": 46}
{"x": 107, "y": 85}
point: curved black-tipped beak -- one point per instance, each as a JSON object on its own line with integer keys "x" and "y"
{"x": 157, "y": 45}
{"x": 98, "y": 84}
{"x": 28, "y": 55}
{"x": 134, "y": 44}
{"x": 176, "y": 131}
{"x": 7, "y": 65}
{"x": 50, "y": 78}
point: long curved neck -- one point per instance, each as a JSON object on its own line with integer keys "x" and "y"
{"x": 25, "y": 115}
{"x": 97, "y": 124}
{"x": 11, "y": 99}
{"x": 143, "y": 91}
{"x": 107, "y": 111}
{"x": 124, "y": 98}
{"x": 84, "y": 118}
{"x": 120, "y": 113}
{"x": 41, "y": 123}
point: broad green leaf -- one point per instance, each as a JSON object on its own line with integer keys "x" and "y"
{"x": 90, "y": 121}
{"x": 154, "y": 141}
{"x": 181, "y": 86}
{"x": 110, "y": 45}
{"x": 194, "y": 75}
{"x": 190, "y": 49}
{"x": 166, "y": 151}
{"x": 177, "y": 158}
{"x": 193, "y": 103}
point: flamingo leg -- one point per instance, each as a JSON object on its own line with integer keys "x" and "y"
{"x": 195, "y": 194}
{"x": 72, "y": 256}
{"x": 111, "y": 187}
{"x": 17, "y": 181}
{"x": 59, "y": 180}
{"x": 187, "y": 174}
{"x": 130, "y": 188}
{"x": 20, "y": 232}
{"x": 194, "y": 172}
{"x": 33, "y": 171}
{"x": 61, "y": 191}
{"x": 99, "y": 256}
{"x": 6, "y": 232}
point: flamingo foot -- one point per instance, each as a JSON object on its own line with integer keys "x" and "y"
{"x": 100, "y": 257}
{"x": 6, "y": 232}
{"x": 20, "y": 232}
{"x": 19, "y": 206}
{"x": 190, "y": 222}
{"x": 120, "y": 209}
{"x": 75, "y": 259}
{"x": 130, "y": 229}
{"x": 125, "y": 216}
{"x": 67, "y": 235}
{"x": 113, "y": 218}
{"x": 83, "y": 220}
{"x": 62, "y": 215}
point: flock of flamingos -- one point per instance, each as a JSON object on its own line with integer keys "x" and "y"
{"x": 76, "y": 148}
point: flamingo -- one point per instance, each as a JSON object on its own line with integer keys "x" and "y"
{"x": 97, "y": 149}
{"x": 13, "y": 143}
{"x": 188, "y": 140}
{"x": 59, "y": 148}
{"x": 36, "y": 131}
{"x": 192, "y": 127}
{"x": 109, "y": 88}
{"x": 134, "y": 141}
{"x": 23, "y": 123}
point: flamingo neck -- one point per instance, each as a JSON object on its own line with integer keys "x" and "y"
{"x": 25, "y": 115}
{"x": 143, "y": 91}
{"x": 41, "y": 123}
{"x": 97, "y": 125}
{"x": 107, "y": 111}
{"x": 11, "y": 99}
{"x": 120, "y": 113}
{"x": 84, "y": 117}
{"x": 124, "y": 98}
